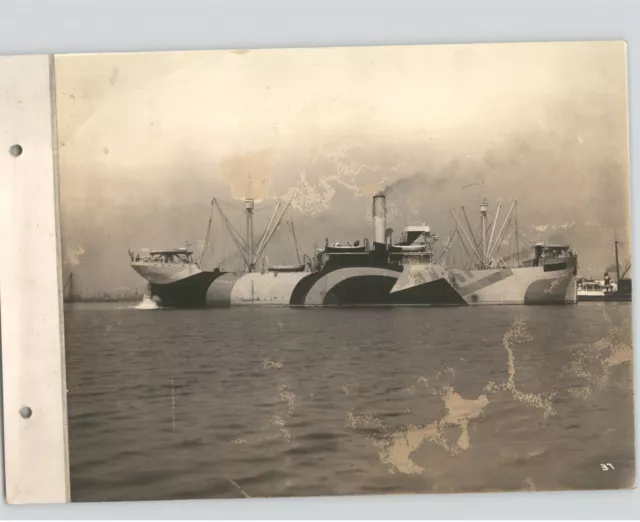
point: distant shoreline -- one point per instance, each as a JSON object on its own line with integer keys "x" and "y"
{"x": 104, "y": 300}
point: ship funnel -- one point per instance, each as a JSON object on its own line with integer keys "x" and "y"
{"x": 379, "y": 218}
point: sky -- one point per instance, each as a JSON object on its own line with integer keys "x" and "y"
{"x": 146, "y": 140}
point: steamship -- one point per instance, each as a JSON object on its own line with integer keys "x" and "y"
{"x": 379, "y": 273}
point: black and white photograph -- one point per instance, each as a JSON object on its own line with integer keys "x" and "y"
{"x": 346, "y": 271}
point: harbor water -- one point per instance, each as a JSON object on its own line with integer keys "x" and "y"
{"x": 274, "y": 401}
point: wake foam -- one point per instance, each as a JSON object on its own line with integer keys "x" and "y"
{"x": 146, "y": 304}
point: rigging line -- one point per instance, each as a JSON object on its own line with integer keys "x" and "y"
{"x": 517, "y": 242}
{"x": 462, "y": 243}
{"x": 275, "y": 227}
{"x": 500, "y": 234}
{"x": 489, "y": 227}
{"x": 500, "y": 243}
{"x": 461, "y": 230}
{"x": 266, "y": 208}
{"x": 239, "y": 236}
{"x": 264, "y": 232}
{"x": 295, "y": 242}
{"x": 531, "y": 243}
{"x": 495, "y": 222}
{"x": 272, "y": 231}
{"x": 475, "y": 243}
{"x": 261, "y": 244}
{"x": 223, "y": 256}
{"x": 207, "y": 237}
{"x": 469, "y": 263}
{"x": 262, "y": 236}
{"x": 237, "y": 239}
{"x": 233, "y": 205}
{"x": 446, "y": 247}
{"x": 479, "y": 232}
{"x": 211, "y": 247}
{"x": 469, "y": 255}
{"x": 450, "y": 239}
{"x": 212, "y": 250}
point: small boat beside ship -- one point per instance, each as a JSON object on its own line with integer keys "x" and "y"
{"x": 363, "y": 273}
{"x": 606, "y": 289}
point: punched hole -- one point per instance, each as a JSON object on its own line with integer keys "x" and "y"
{"x": 25, "y": 412}
{"x": 15, "y": 150}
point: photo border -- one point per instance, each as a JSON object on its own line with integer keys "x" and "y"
{"x": 36, "y": 463}
{"x": 77, "y": 26}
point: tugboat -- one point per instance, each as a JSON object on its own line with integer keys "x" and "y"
{"x": 607, "y": 289}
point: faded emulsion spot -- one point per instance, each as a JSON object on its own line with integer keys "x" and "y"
{"x": 396, "y": 448}
{"x": 15, "y": 150}
{"x": 105, "y": 150}
{"x": 25, "y": 412}
{"x": 593, "y": 362}
{"x": 248, "y": 175}
{"x": 518, "y": 334}
{"x": 267, "y": 364}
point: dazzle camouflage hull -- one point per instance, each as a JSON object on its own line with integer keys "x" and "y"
{"x": 381, "y": 273}
{"x": 428, "y": 285}
{"x": 177, "y": 286}
{"x": 431, "y": 285}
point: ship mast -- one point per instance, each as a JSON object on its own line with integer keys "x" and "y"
{"x": 250, "y": 253}
{"x": 207, "y": 239}
{"x": 483, "y": 213}
{"x": 249, "y": 206}
{"x": 517, "y": 242}
{"x": 615, "y": 242}
{"x": 484, "y": 250}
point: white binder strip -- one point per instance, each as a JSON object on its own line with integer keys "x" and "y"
{"x": 33, "y": 370}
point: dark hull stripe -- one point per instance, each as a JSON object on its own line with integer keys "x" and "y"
{"x": 539, "y": 292}
{"x": 299, "y": 294}
{"x": 368, "y": 290}
{"x": 435, "y": 293}
{"x": 370, "y": 287}
{"x": 360, "y": 290}
{"x": 189, "y": 292}
{"x": 302, "y": 289}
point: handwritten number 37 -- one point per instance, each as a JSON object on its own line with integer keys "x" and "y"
{"x": 607, "y": 466}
